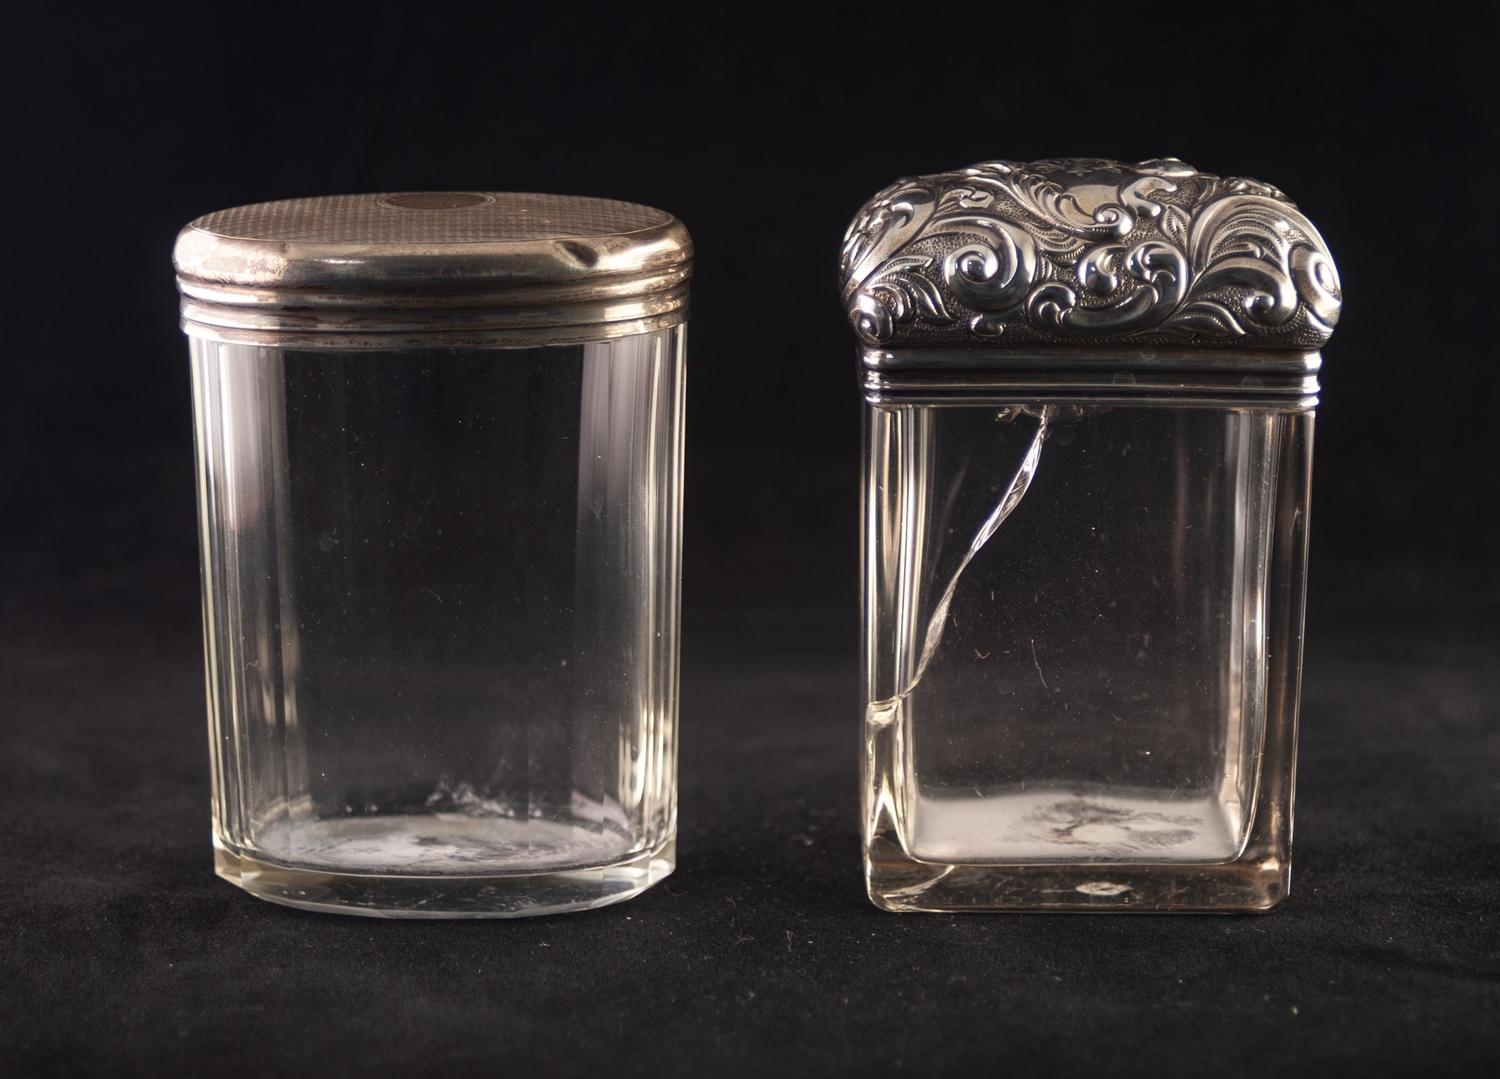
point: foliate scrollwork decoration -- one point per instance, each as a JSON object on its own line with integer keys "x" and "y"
{"x": 1087, "y": 251}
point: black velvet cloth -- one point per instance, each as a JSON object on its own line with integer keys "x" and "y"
{"x": 123, "y": 953}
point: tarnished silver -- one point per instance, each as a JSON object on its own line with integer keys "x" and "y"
{"x": 1087, "y": 252}
{"x": 452, "y": 269}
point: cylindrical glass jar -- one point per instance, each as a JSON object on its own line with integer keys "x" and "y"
{"x": 439, "y": 458}
{"x": 1089, "y": 406}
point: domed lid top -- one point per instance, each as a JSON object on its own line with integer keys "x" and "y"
{"x": 1087, "y": 252}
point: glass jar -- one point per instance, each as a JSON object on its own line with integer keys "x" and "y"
{"x": 439, "y": 460}
{"x": 1089, "y": 409}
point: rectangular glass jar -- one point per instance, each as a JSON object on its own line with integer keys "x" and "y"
{"x": 1083, "y": 603}
{"x": 441, "y": 610}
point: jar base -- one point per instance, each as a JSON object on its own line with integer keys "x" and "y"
{"x": 1250, "y": 884}
{"x": 513, "y": 895}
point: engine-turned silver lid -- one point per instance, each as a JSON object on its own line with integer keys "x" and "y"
{"x": 1083, "y": 252}
{"x": 448, "y": 269}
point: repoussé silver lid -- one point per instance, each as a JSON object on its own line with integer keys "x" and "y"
{"x": 451, "y": 269}
{"x": 1087, "y": 252}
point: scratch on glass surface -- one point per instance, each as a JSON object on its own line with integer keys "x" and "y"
{"x": 1016, "y": 490}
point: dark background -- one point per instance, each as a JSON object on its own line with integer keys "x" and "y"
{"x": 121, "y": 952}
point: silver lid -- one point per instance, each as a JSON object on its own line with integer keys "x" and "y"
{"x": 435, "y": 268}
{"x": 1087, "y": 252}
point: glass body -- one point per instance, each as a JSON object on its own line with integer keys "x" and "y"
{"x": 1083, "y": 630}
{"x": 440, "y": 607}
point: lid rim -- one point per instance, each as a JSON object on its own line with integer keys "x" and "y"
{"x": 396, "y": 296}
{"x": 359, "y": 263}
{"x": 915, "y": 360}
{"x": 456, "y": 337}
